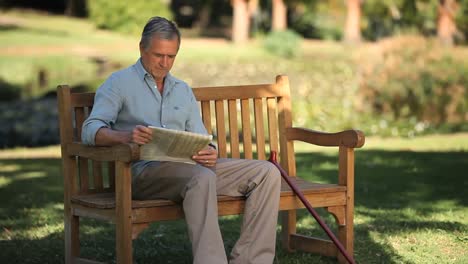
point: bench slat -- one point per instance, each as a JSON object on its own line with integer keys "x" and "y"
{"x": 83, "y": 174}
{"x": 206, "y": 116}
{"x": 220, "y": 128}
{"x": 97, "y": 175}
{"x": 272, "y": 124}
{"x": 246, "y": 132}
{"x": 111, "y": 173}
{"x": 80, "y": 118}
{"x": 238, "y": 92}
{"x": 233, "y": 131}
{"x": 81, "y": 99}
{"x": 259, "y": 130}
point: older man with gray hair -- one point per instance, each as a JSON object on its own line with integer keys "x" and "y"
{"x": 146, "y": 94}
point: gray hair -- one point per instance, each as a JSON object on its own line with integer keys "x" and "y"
{"x": 160, "y": 27}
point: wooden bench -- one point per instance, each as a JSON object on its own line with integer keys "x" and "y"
{"x": 248, "y": 122}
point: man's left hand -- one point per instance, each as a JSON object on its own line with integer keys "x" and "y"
{"x": 206, "y": 157}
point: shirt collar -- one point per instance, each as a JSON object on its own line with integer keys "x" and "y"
{"x": 140, "y": 69}
{"x": 142, "y": 73}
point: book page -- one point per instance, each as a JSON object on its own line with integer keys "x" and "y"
{"x": 173, "y": 145}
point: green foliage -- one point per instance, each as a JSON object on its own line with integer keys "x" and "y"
{"x": 385, "y": 18}
{"x": 29, "y": 123}
{"x": 388, "y": 17}
{"x": 8, "y": 91}
{"x": 126, "y": 17}
{"x": 328, "y": 85}
{"x": 286, "y": 44}
{"x": 416, "y": 79}
{"x": 462, "y": 19}
{"x": 380, "y": 18}
{"x": 33, "y": 122}
{"x": 318, "y": 19}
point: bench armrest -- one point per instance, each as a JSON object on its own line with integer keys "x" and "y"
{"x": 347, "y": 138}
{"x": 123, "y": 152}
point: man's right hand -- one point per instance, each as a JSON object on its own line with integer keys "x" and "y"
{"x": 141, "y": 135}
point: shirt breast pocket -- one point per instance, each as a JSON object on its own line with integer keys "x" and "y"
{"x": 180, "y": 112}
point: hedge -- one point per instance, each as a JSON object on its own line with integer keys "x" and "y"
{"x": 121, "y": 16}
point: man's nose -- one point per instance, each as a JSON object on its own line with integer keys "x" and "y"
{"x": 164, "y": 61}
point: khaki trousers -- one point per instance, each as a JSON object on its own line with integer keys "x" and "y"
{"x": 197, "y": 187}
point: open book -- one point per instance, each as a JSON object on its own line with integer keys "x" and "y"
{"x": 173, "y": 145}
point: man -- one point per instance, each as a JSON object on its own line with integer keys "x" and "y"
{"x": 147, "y": 94}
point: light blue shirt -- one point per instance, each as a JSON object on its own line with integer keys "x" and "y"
{"x": 130, "y": 97}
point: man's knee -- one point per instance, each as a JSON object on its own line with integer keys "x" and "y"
{"x": 201, "y": 179}
{"x": 272, "y": 173}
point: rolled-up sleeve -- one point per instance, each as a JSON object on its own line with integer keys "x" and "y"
{"x": 107, "y": 104}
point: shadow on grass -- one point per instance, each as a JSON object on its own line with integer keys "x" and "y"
{"x": 27, "y": 185}
{"x": 396, "y": 179}
{"x": 31, "y": 211}
{"x": 396, "y": 192}
{"x": 388, "y": 184}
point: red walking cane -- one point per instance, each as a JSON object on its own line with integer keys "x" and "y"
{"x": 311, "y": 210}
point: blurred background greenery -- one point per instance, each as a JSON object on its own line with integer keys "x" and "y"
{"x": 395, "y": 79}
{"x": 393, "y": 73}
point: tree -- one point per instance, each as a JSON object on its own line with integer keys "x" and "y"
{"x": 279, "y": 15}
{"x": 253, "y": 9}
{"x": 75, "y": 8}
{"x": 240, "y": 21}
{"x": 352, "y": 32}
{"x": 446, "y": 27}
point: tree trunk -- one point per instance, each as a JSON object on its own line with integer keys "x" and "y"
{"x": 446, "y": 27}
{"x": 279, "y": 15}
{"x": 352, "y": 32}
{"x": 253, "y": 10}
{"x": 204, "y": 15}
{"x": 76, "y": 8}
{"x": 240, "y": 23}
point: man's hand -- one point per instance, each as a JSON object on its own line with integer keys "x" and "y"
{"x": 141, "y": 135}
{"x": 206, "y": 157}
{"x": 108, "y": 137}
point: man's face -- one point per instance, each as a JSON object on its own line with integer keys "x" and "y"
{"x": 159, "y": 57}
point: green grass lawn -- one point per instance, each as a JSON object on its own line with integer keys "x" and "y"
{"x": 411, "y": 207}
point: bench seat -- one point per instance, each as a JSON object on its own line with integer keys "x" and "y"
{"x": 107, "y": 200}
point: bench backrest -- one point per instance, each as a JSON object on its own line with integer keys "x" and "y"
{"x": 247, "y": 121}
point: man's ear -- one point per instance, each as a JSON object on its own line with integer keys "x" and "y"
{"x": 141, "y": 48}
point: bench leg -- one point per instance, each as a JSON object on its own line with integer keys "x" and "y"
{"x": 346, "y": 234}
{"x": 123, "y": 245}
{"x": 346, "y": 178}
{"x": 72, "y": 241}
{"x": 292, "y": 241}
{"x": 288, "y": 222}
{"x": 344, "y": 218}
{"x": 123, "y": 214}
